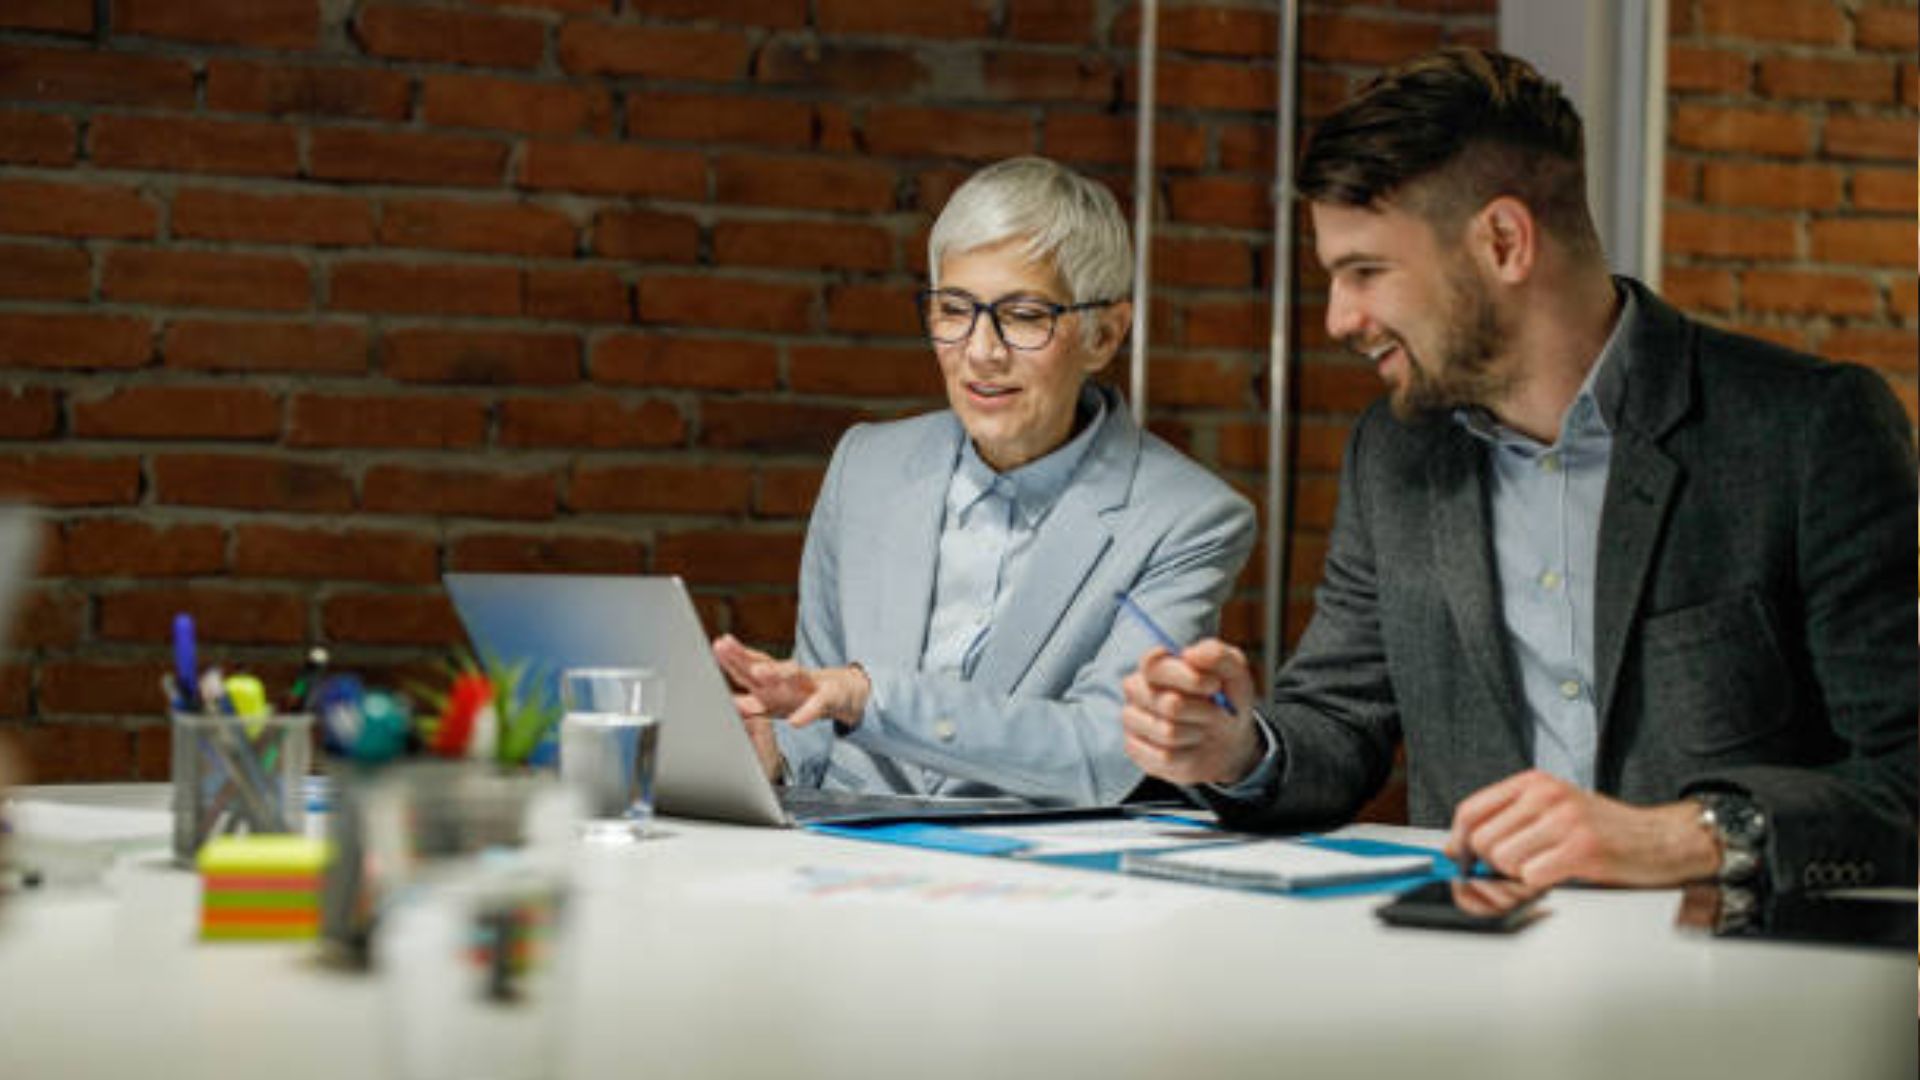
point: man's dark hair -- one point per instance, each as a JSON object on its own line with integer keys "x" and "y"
{"x": 1447, "y": 133}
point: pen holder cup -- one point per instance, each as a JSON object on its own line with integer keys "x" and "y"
{"x": 237, "y": 775}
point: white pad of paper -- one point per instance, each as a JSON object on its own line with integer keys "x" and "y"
{"x": 1273, "y": 864}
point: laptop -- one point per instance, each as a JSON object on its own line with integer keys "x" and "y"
{"x": 707, "y": 767}
{"x": 19, "y": 538}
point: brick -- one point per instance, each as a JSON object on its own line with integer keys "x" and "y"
{"x": 128, "y": 548}
{"x": 729, "y": 557}
{"x": 1336, "y": 388}
{"x": 712, "y": 118}
{"x": 659, "y": 489}
{"x": 16, "y": 684}
{"x": 192, "y": 145}
{"x": 810, "y": 183}
{"x": 37, "y": 272}
{"x": 49, "y": 480}
{"x": 511, "y": 105}
{"x": 979, "y": 134}
{"x": 316, "y": 220}
{"x": 278, "y": 90}
{"x": 782, "y": 492}
{"x": 401, "y": 421}
{"x": 206, "y": 279}
{"x": 864, "y": 372}
{"x": 1182, "y": 382}
{"x": 578, "y": 294}
{"x": 1692, "y": 69}
{"x": 1361, "y": 40}
{"x": 1099, "y": 139}
{"x": 1754, "y": 131}
{"x": 487, "y": 357}
{"x": 1774, "y": 20}
{"x": 108, "y": 688}
{"x": 391, "y": 619}
{"x": 94, "y": 78}
{"x": 1891, "y": 28}
{"x": 544, "y": 553}
{"x": 612, "y": 169}
{"x": 179, "y": 412}
{"x": 926, "y": 18}
{"x": 726, "y": 302}
{"x": 1807, "y": 78}
{"x": 646, "y": 236}
{"x": 49, "y": 618}
{"x": 873, "y": 309}
{"x": 261, "y": 24}
{"x": 405, "y": 157}
{"x": 1779, "y": 187}
{"x": 278, "y": 551}
{"x": 1057, "y": 22}
{"x": 1205, "y": 262}
{"x": 1696, "y": 290}
{"x": 1884, "y": 189}
{"x": 1890, "y": 350}
{"x": 765, "y": 618}
{"x": 30, "y": 138}
{"x": 75, "y": 210}
{"x": 29, "y": 412}
{"x": 450, "y": 37}
{"x": 50, "y": 16}
{"x": 1737, "y": 236}
{"x": 570, "y": 7}
{"x": 75, "y": 753}
{"x": 681, "y": 362}
{"x": 455, "y": 225}
{"x": 833, "y": 69}
{"x": 425, "y": 288}
{"x": 1903, "y": 299}
{"x": 1209, "y": 84}
{"x": 1219, "y": 31}
{"x": 656, "y": 52}
{"x": 1872, "y": 241}
{"x": 1869, "y": 137}
{"x": 400, "y": 489}
{"x": 1243, "y": 204}
{"x": 1028, "y": 77}
{"x": 316, "y": 348}
{"x": 769, "y": 428}
{"x": 246, "y": 482}
{"x": 1682, "y": 180}
{"x": 599, "y": 423}
{"x": 1800, "y": 293}
{"x": 31, "y": 339}
{"x": 1910, "y": 85}
{"x": 802, "y": 245}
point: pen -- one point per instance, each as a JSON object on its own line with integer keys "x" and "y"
{"x": 1140, "y": 616}
{"x": 186, "y": 664}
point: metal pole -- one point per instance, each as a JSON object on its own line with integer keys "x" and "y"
{"x": 1143, "y": 187}
{"x": 1279, "y": 485}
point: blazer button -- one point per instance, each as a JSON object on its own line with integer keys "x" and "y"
{"x": 943, "y": 730}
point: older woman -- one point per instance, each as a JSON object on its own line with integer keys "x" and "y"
{"x": 958, "y": 630}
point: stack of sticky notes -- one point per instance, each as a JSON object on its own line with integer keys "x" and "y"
{"x": 261, "y": 887}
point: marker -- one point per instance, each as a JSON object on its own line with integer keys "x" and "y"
{"x": 186, "y": 663}
{"x": 1166, "y": 641}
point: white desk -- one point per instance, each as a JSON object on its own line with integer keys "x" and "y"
{"x": 701, "y": 958}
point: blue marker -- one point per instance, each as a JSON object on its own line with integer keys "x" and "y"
{"x": 186, "y": 663}
{"x": 1166, "y": 641}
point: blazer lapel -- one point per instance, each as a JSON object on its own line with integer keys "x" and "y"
{"x": 1463, "y": 560}
{"x": 911, "y": 548}
{"x": 1642, "y": 482}
{"x": 1071, "y": 540}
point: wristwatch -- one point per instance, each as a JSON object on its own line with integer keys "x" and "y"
{"x": 1741, "y": 828}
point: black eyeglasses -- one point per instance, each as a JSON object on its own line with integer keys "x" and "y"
{"x": 1023, "y": 322}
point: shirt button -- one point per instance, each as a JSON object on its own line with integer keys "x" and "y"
{"x": 943, "y": 730}
{"x": 1549, "y": 581}
{"x": 1570, "y": 689}
{"x": 1550, "y": 463}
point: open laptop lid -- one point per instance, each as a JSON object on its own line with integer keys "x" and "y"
{"x": 707, "y": 767}
{"x": 19, "y": 538}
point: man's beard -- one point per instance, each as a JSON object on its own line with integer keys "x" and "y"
{"x": 1463, "y": 375}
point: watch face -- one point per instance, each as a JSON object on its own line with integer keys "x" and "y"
{"x": 1739, "y": 819}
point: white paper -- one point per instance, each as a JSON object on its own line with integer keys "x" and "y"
{"x": 1099, "y": 836}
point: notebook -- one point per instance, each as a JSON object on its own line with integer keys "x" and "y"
{"x": 1284, "y": 865}
{"x": 707, "y": 767}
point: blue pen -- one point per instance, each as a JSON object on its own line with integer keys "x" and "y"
{"x": 186, "y": 664}
{"x": 1166, "y": 641}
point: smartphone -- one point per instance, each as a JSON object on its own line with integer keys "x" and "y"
{"x": 1483, "y": 905}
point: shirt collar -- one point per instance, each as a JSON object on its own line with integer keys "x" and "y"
{"x": 1037, "y": 485}
{"x": 1595, "y": 410}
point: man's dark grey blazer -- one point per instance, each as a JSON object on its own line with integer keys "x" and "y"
{"x": 1754, "y": 625}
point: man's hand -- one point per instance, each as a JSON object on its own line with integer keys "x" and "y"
{"x": 1174, "y": 728}
{"x": 1542, "y": 830}
{"x": 771, "y": 687}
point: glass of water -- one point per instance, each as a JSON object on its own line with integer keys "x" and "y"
{"x": 609, "y": 738}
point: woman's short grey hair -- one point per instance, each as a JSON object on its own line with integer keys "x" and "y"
{"x": 1065, "y": 219}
